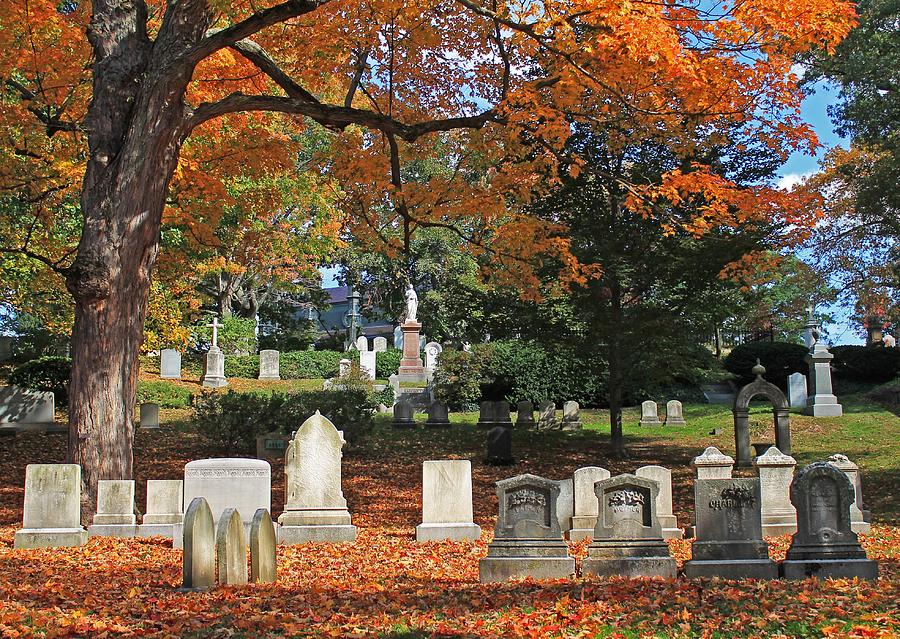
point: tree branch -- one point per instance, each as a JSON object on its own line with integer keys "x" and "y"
{"x": 261, "y": 60}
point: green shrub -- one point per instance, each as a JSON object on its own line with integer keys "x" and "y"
{"x": 384, "y": 396}
{"x": 242, "y": 366}
{"x": 166, "y": 394}
{"x": 780, "y": 359}
{"x": 48, "y": 373}
{"x": 460, "y": 375}
{"x": 313, "y": 364}
{"x": 387, "y": 363}
{"x": 234, "y": 420}
{"x": 866, "y": 363}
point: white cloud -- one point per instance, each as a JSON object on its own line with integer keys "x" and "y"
{"x": 789, "y": 181}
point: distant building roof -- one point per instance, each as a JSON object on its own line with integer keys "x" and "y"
{"x": 337, "y": 294}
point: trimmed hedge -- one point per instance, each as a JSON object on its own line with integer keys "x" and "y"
{"x": 866, "y": 363}
{"x": 387, "y": 363}
{"x": 48, "y": 373}
{"x": 166, "y": 394}
{"x": 234, "y": 420}
{"x": 781, "y": 359}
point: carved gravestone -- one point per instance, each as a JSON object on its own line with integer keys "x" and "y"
{"x": 51, "y": 516}
{"x": 525, "y": 415}
{"x": 231, "y": 549}
{"x": 547, "y": 417}
{"x": 527, "y": 541}
{"x": 776, "y": 472}
{"x": 315, "y": 508}
{"x": 501, "y": 414}
{"x": 199, "y": 558}
{"x": 674, "y": 413}
{"x": 571, "y": 416}
{"x": 438, "y": 415}
{"x": 728, "y": 525}
{"x": 487, "y": 416}
{"x": 668, "y": 523}
{"x": 263, "y": 565}
{"x": 824, "y": 544}
{"x": 499, "y": 447}
{"x": 403, "y": 415}
{"x": 115, "y": 509}
{"x": 585, "y": 518}
{"x": 858, "y": 522}
{"x": 165, "y": 503}
{"x": 649, "y": 413}
{"x": 433, "y": 351}
{"x": 269, "y": 365}
{"x": 627, "y": 538}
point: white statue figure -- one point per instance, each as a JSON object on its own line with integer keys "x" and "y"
{"x": 412, "y": 304}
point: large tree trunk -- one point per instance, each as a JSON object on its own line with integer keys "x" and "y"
{"x": 137, "y": 126}
{"x": 616, "y": 381}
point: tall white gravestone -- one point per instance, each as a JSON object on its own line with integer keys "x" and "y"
{"x": 315, "y": 508}
{"x": 797, "y": 390}
{"x": 379, "y": 344}
{"x": 367, "y": 363}
{"x": 649, "y": 414}
{"x": 214, "y": 362}
{"x": 674, "y": 413}
{"x": 433, "y": 350}
{"x": 165, "y": 504}
{"x": 667, "y": 520}
{"x": 821, "y": 401}
{"x": 199, "y": 543}
{"x": 169, "y": 364}
{"x": 447, "y": 501}
{"x": 586, "y": 505}
{"x": 52, "y": 513}
{"x": 776, "y": 472}
{"x": 269, "y": 365}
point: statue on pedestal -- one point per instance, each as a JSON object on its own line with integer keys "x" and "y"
{"x": 412, "y": 304}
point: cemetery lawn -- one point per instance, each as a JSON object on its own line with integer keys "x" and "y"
{"x": 386, "y": 585}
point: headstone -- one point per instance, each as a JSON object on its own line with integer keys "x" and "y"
{"x": 199, "y": 542}
{"x": 432, "y": 352}
{"x": 585, "y": 517}
{"x": 403, "y": 415}
{"x": 438, "y": 415}
{"x": 231, "y": 549}
{"x": 674, "y": 413}
{"x": 547, "y": 417}
{"x": 527, "y": 541}
{"x": 214, "y": 369}
{"x": 776, "y": 472}
{"x": 164, "y": 508}
{"x": 649, "y": 414}
{"x": 571, "y": 416}
{"x": 422, "y": 342}
{"x": 667, "y": 520}
{"x": 269, "y": 365}
{"x": 858, "y": 523}
{"x": 525, "y": 415}
{"x": 169, "y": 364}
{"x": 712, "y": 464}
{"x": 239, "y": 483}
{"x": 797, "y": 390}
{"x": 344, "y": 367}
{"x": 499, "y": 446}
{"x": 149, "y": 415}
{"x": 565, "y": 504}
{"x": 398, "y": 338}
{"x": 52, "y": 511}
{"x": 729, "y": 540}
{"x": 263, "y": 563}
{"x": 379, "y": 345}
{"x": 821, "y": 401}
{"x": 362, "y": 344}
{"x": 501, "y": 414}
{"x": 367, "y": 363}
{"x": 824, "y": 544}
{"x": 627, "y": 538}
{"x": 272, "y": 445}
{"x": 447, "y": 501}
{"x": 115, "y": 509}
{"x": 26, "y": 406}
{"x": 486, "y": 416}
{"x": 315, "y": 508}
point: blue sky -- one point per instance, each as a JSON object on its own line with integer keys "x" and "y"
{"x": 799, "y": 165}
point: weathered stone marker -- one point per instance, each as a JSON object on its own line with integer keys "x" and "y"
{"x": 824, "y": 544}
{"x": 664, "y": 513}
{"x": 236, "y": 482}
{"x": 403, "y": 415}
{"x": 649, "y": 413}
{"x": 231, "y": 549}
{"x": 627, "y": 538}
{"x": 547, "y": 415}
{"x": 438, "y": 415}
{"x": 315, "y": 508}
{"x": 52, "y": 513}
{"x": 447, "y": 501}
{"x": 776, "y": 472}
{"x": 115, "y": 509}
{"x": 263, "y": 562}
{"x": 674, "y": 413}
{"x": 149, "y": 415}
{"x": 585, "y": 517}
{"x": 165, "y": 503}
{"x": 199, "y": 560}
{"x": 571, "y": 416}
{"x": 525, "y": 415}
{"x": 858, "y": 521}
{"x": 527, "y": 540}
{"x": 169, "y": 364}
{"x": 269, "y": 365}
{"x": 729, "y": 531}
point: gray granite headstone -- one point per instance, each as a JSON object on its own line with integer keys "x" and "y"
{"x": 499, "y": 446}
{"x": 824, "y": 544}
{"x": 169, "y": 364}
{"x": 438, "y": 416}
{"x": 627, "y": 538}
{"x": 199, "y": 557}
{"x": 728, "y": 525}
{"x": 501, "y": 414}
{"x": 527, "y": 541}
{"x": 486, "y": 414}
{"x": 571, "y": 416}
{"x": 403, "y": 415}
{"x": 525, "y": 415}
{"x": 149, "y": 415}
{"x": 547, "y": 418}
{"x": 231, "y": 549}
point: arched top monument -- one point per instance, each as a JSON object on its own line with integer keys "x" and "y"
{"x": 757, "y": 387}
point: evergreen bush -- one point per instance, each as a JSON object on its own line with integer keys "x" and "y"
{"x": 866, "y": 363}
{"x": 781, "y": 359}
{"x": 48, "y": 373}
